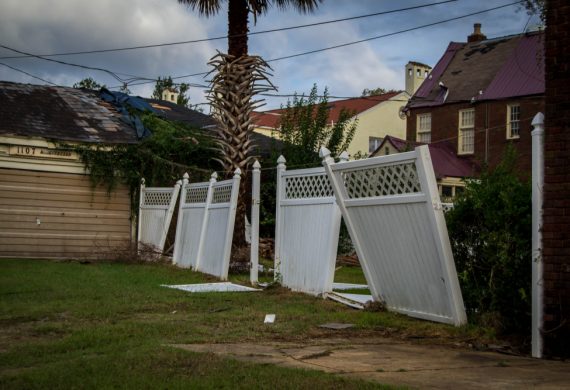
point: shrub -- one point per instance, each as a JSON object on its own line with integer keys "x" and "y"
{"x": 490, "y": 234}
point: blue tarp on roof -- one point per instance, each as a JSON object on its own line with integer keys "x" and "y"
{"x": 122, "y": 102}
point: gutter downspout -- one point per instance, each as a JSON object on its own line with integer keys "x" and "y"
{"x": 486, "y": 133}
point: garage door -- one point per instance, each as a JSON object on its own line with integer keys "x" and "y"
{"x": 59, "y": 215}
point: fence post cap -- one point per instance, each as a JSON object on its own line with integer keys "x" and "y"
{"x": 214, "y": 175}
{"x": 324, "y": 153}
{"x": 178, "y": 183}
{"x": 344, "y": 156}
{"x": 256, "y": 165}
{"x": 538, "y": 119}
{"x": 186, "y": 176}
{"x": 143, "y": 181}
{"x": 237, "y": 173}
{"x": 281, "y": 160}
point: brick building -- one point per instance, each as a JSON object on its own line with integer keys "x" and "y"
{"x": 556, "y": 227}
{"x": 481, "y": 96}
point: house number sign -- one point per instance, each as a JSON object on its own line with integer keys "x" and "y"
{"x": 40, "y": 152}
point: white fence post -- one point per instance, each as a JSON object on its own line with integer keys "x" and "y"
{"x": 139, "y": 224}
{"x": 537, "y": 203}
{"x": 176, "y": 255}
{"x": 255, "y": 191}
{"x": 278, "y": 228}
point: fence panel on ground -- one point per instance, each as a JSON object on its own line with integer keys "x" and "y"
{"x": 307, "y": 230}
{"x": 392, "y": 209}
{"x": 155, "y": 213}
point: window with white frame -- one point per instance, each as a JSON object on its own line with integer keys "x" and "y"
{"x": 513, "y": 120}
{"x": 373, "y": 143}
{"x": 466, "y": 143}
{"x": 424, "y": 128}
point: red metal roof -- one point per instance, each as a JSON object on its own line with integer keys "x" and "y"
{"x": 522, "y": 74}
{"x": 355, "y": 106}
{"x": 492, "y": 69}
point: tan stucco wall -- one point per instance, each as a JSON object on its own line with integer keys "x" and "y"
{"x": 379, "y": 121}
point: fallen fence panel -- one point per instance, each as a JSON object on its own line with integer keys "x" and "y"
{"x": 156, "y": 206}
{"x": 307, "y": 230}
{"x": 392, "y": 209}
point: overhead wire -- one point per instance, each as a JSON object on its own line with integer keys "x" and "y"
{"x": 235, "y": 35}
{"x": 115, "y": 75}
{"x": 358, "y": 41}
{"x": 26, "y": 73}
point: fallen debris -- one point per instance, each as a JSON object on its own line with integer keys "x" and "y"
{"x": 269, "y": 319}
{"x": 349, "y": 286}
{"x": 357, "y": 301}
{"x": 211, "y": 287}
{"x": 336, "y": 326}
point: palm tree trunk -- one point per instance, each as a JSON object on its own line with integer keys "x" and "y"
{"x": 238, "y": 13}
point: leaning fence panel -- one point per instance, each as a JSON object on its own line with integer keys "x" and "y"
{"x": 155, "y": 213}
{"x": 307, "y": 230}
{"x": 214, "y": 253}
{"x": 191, "y": 219}
{"x": 394, "y": 216}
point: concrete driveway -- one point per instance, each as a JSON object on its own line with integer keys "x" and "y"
{"x": 395, "y": 362}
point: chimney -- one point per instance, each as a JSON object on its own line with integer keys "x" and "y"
{"x": 477, "y": 35}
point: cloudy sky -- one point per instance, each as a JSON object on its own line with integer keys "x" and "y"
{"x": 59, "y": 26}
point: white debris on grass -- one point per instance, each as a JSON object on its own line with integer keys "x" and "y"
{"x": 357, "y": 301}
{"x": 349, "y": 286}
{"x": 211, "y": 287}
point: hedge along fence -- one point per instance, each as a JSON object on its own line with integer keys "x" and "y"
{"x": 490, "y": 234}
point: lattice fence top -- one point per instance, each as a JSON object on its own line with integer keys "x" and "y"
{"x": 157, "y": 198}
{"x": 196, "y": 194}
{"x": 313, "y": 186}
{"x": 385, "y": 180}
{"x": 222, "y": 193}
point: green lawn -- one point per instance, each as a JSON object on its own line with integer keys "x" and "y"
{"x": 101, "y": 325}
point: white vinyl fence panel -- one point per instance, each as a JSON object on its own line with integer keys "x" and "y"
{"x": 214, "y": 256}
{"x": 155, "y": 213}
{"x": 392, "y": 209}
{"x": 191, "y": 219}
{"x": 205, "y": 225}
{"x": 307, "y": 229}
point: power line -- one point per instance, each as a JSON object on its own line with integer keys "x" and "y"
{"x": 392, "y": 34}
{"x": 233, "y": 36}
{"x": 359, "y": 41}
{"x": 109, "y": 72}
{"x": 26, "y": 73}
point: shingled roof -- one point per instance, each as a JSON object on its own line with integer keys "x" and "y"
{"x": 270, "y": 119}
{"x": 491, "y": 69}
{"x": 61, "y": 114}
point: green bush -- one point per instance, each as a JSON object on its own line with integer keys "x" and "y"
{"x": 490, "y": 234}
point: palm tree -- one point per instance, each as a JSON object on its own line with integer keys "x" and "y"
{"x": 238, "y": 16}
{"x": 238, "y": 78}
